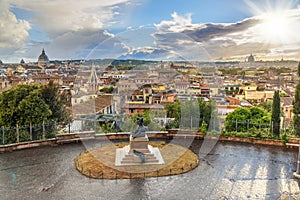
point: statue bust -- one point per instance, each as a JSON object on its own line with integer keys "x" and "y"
{"x": 140, "y": 130}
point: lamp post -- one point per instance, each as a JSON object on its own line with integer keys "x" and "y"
{"x": 297, "y": 173}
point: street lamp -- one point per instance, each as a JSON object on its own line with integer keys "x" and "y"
{"x": 297, "y": 173}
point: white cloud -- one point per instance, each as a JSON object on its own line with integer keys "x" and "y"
{"x": 285, "y": 51}
{"x": 169, "y": 46}
{"x": 78, "y": 45}
{"x": 204, "y": 42}
{"x": 13, "y": 32}
{"x": 232, "y": 40}
{"x": 178, "y": 24}
{"x": 59, "y": 16}
{"x": 73, "y": 28}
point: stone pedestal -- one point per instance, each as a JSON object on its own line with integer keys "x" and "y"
{"x": 126, "y": 156}
{"x": 140, "y": 143}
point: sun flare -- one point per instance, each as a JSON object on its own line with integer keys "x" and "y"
{"x": 279, "y": 23}
{"x": 277, "y": 28}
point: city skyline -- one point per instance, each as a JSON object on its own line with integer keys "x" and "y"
{"x": 170, "y": 30}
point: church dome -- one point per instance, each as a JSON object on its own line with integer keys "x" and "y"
{"x": 43, "y": 59}
{"x": 251, "y": 58}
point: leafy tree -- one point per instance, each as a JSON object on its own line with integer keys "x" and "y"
{"x": 214, "y": 123}
{"x": 148, "y": 121}
{"x": 230, "y": 71}
{"x": 33, "y": 109}
{"x": 267, "y": 105}
{"x": 296, "y": 109}
{"x": 240, "y": 114}
{"x": 107, "y": 89}
{"x": 10, "y": 112}
{"x": 33, "y": 104}
{"x": 206, "y": 111}
{"x": 241, "y": 118}
{"x": 260, "y": 88}
{"x": 57, "y": 102}
{"x": 129, "y": 125}
{"x": 189, "y": 115}
{"x": 298, "y": 69}
{"x": 20, "y": 106}
{"x": 276, "y": 114}
{"x": 146, "y": 115}
{"x": 106, "y": 128}
{"x": 259, "y": 115}
{"x": 200, "y": 111}
{"x": 203, "y": 127}
{"x": 174, "y": 111}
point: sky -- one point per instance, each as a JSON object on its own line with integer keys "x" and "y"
{"x": 197, "y": 30}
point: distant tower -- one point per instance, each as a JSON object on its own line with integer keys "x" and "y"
{"x": 93, "y": 79}
{"x": 43, "y": 60}
{"x": 22, "y": 62}
{"x": 250, "y": 58}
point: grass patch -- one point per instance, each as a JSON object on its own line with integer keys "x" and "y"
{"x": 100, "y": 162}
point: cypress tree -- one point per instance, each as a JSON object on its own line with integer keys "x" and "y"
{"x": 298, "y": 70}
{"x": 276, "y": 114}
{"x": 296, "y": 109}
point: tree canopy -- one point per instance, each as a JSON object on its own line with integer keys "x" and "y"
{"x": 33, "y": 103}
{"x": 240, "y": 118}
{"x": 190, "y": 114}
{"x": 57, "y": 102}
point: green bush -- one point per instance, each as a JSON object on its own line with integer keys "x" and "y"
{"x": 253, "y": 132}
{"x": 24, "y": 136}
{"x": 203, "y": 128}
{"x": 284, "y": 138}
{"x": 213, "y": 132}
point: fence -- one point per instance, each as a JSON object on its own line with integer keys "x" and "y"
{"x": 9, "y": 135}
{"x": 80, "y": 125}
{"x": 31, "y": 132}
{"x": 248, "y": 125}
{"x": 115, "y": 174}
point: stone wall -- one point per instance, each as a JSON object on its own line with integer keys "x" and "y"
{"x": 170, "y": 134}
{"x": 26, "y": 145}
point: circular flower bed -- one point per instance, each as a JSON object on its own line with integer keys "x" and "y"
{"x": 100, "y": 162}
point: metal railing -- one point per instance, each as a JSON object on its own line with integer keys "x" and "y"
{"x": 249, "y": 125}
{"x": 32, "y": 132}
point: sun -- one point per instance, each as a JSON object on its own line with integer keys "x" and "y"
{"x": 276, "y": 27}
{"x": 278, "y": 23}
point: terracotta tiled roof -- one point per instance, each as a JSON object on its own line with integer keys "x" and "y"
{"x": 93, "y": 105}
{"x": 32, "y": 67}
{"x": 143, "y": 106}
{"x": 87, "y": 107}
{"x": 287, "y": 100}
{"x": 103, "y": 101}
{"x": 68, "y": 78}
